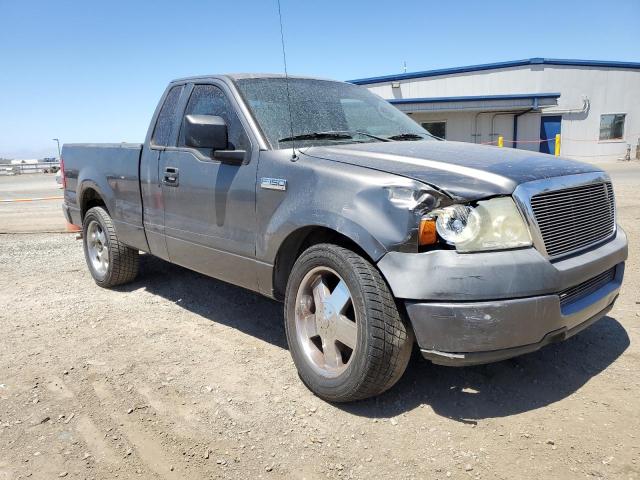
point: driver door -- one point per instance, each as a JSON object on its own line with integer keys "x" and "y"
{"x": 209, "y": 206}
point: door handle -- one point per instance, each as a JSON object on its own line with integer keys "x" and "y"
{"x": 171, "y": 177}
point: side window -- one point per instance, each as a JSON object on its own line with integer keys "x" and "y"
{"x": 437, "y": 129}
{"x": 166, "y": 118}
{"x": 211, "y": 100}
{"x": 612, "y": 126}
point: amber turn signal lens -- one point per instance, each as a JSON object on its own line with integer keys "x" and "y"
{"x": 427, "y": 233}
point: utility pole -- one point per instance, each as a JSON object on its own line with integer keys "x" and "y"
{"x": 58, "y": 142}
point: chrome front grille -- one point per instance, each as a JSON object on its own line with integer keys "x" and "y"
{"x": 572, "y": 294}
{"x": 571, "y": 219}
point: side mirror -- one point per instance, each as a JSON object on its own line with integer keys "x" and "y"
{"x": 205, "y": 131}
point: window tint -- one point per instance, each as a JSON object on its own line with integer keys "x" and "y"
{"x": 211, "y": 100}
{"x": 437, "y": 129}
{"x": 167, "y": 118}
{"x": 612, "y": 126}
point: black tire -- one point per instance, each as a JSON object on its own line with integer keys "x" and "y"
{"x": 123, "y": 260}
{"x": 383, "y": 343}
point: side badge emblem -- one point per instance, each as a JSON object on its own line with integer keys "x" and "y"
{"x": 273, "y": 183}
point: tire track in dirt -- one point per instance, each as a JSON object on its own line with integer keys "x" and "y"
{"x": 149, "y": 449}
{"x": 100, "y": 450}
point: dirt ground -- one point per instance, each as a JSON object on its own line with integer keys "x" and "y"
{"x": 182, "y": 376}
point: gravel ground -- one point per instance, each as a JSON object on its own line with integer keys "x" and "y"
{"x": 182, "y": 376}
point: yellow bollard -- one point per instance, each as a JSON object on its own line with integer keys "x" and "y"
{"x": 500, "y": 141}
{"x": 557, "y": 144}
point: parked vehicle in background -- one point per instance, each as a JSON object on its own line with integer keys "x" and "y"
{"x": 374, "y": 234}
{"x": 10, "y": 170}
{"x": 59, "y": 177}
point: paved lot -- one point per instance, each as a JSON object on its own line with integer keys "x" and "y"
{"x": 181, "y": 376}
{"x": 40, "y": 216}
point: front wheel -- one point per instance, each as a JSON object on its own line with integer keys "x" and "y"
{"x": 345, "y": 334}
{"x": 110, "y": 261}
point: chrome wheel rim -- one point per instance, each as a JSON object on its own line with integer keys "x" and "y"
{"x": 326, "y": 322}
{"x": 97, "y": 248}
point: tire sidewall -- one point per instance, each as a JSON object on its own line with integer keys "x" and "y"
{"x": 94, "y": 215}
{"x": 348, "y": 381}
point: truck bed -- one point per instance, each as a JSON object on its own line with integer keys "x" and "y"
{"x": 112, "y": 170}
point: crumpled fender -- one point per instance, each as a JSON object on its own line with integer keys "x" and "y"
{"x": 376, "y": 210}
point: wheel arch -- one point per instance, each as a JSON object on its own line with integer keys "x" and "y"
{"x": 91, "y": 196}
{"x": 297, "y": 242}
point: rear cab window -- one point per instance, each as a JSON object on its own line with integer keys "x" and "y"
{"x": 167, "y": 118}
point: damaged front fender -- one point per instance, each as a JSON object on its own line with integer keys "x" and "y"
{"x": 378, "y": 211}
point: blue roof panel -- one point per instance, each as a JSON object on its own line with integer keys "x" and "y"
{"x": 497, "y": 65}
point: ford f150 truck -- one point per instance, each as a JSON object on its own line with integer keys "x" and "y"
{"x": 374, "y": 234}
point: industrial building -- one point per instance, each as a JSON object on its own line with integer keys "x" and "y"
{"x": 593, "y": 105}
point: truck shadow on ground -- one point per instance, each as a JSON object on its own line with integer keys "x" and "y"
{"x": 212, "y": 299}
{"x": 462, "y": 394}
{"x": 505, "y": 388}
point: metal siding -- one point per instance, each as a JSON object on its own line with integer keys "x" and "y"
{"x": 610, "y": 90}
{"x": 461, "y": 124}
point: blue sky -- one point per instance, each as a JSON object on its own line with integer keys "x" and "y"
{"x": 89, "y": 71}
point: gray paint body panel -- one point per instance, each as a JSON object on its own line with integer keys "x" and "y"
{"x": 463, "y": 170}
{"x": 348, "y": 199}
{"x": 112, "y": 171}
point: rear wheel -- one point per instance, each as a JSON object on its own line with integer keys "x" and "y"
{"x": 110, "y": 262}
{"x": 345, "y": 333}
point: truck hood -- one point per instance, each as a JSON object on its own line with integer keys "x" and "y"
{"x": 463, "y": 170}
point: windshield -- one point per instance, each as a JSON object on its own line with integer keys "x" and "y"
{"x": 324, "y": 113}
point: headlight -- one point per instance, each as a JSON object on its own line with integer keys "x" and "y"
{"x": 494, "y": 224}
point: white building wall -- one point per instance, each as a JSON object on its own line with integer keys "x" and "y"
{"x": 529, "y": 129}
{"x": 609, "y": 90}
{"x": 461, "y": 127}
{"x": 459, "y": 124}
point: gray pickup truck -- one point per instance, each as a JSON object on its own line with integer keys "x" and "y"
{"x": 375, "y": 235}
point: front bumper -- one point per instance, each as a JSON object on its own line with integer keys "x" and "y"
{"x": 478, "y": 308}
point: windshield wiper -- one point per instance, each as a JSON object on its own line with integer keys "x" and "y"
{"x": 406, "y": 136}
{"x": 331, "y": 135}
{"x": 365, "y": 134}
{"x": 317, "y": 136}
